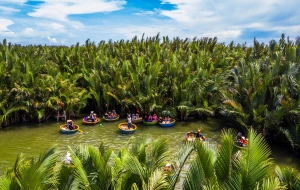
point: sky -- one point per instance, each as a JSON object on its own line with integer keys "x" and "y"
{"x": 66, "y": 22}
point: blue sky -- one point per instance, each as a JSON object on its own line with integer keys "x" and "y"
{"x": 66, "y": 22}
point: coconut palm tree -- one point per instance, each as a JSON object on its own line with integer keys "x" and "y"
{"x": 31, "y": 173}
{"x": 226, "y": 167}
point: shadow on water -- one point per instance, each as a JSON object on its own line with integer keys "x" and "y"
{"x": 32, "y": 138}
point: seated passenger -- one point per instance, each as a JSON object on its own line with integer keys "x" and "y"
{"x": 160, "y": 119}
{"x": 146, "y": 118}
{"x": 134, "y": 117}
{"x": 150, "y": 118}
{"x": 239, "y": 136}
{"x": 243, "y": 142}
{"x": 106, "y": 116}
{"x": 168, "y": 119}
{"x": 198, "y": 134}
{"x": 114, "y": 114}
{"x": 110, "y": 115}
{"x": 154, "y": 117}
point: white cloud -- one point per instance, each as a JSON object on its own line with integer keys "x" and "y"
{"x": 4, "y": 31}
{"x": 14, "y": 1}
{"x": 229, "y": 19}
{"x": 57, "y": 26}
{"x": 224, "y": 34}
{"x": 53, "y": 40}
{"x": 60, "y": 9}
{"x": 28, "y": 32}
{"x": 146, "y": 13}
{"x": 4, "y": 9}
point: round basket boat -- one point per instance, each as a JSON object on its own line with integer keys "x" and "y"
{"x": 167, "y": 124}
{"x": 236, "y": 144}
{"x": 65, "y": 129}
{"x": 150, "y": 123}
{"x": 124, "y": 128}
{"x": 85, "y": 121}
{"x": 112, "y": 119}
{"x": 191, "y": 137}
{"x": 138, "y": 120}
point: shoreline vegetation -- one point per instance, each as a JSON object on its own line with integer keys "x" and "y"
{"x": 251, "y": 86}
{"x": 142, "y": 164}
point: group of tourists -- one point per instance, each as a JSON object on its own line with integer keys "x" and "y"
{"x": 134, "y": 116}
{"x": 166, "y": 119}
{"x": 150, "y": 118}
{"x": 195, "y": 135}
{"x": 111, "y": 115}
{"x": 92, "y": 117}
{"x": 241, "y": 140}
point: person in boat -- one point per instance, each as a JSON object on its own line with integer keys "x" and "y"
{"x": 114, "y": 114}
{"x": 160, "y": 119}
{"x": 109, "y": 115}
{"x": 168, "y": 120}
{"x": 68, "y": 158}
{"x": 243, "y": 142}
{"x": 199, "y": 134}
{"x": 238, "y": 137}
{"x": 154, "y": 117}
{"x": 168, "y": 167}
{"x": 106, "y": 115}
{"x": 134, "y": 117}
{"x": 150, "y": 118}
{"x": 146, "y": 118}
{"x": 165, "y": 119}
{"x": 92, "y": 118}
{"x": 137, "y": 116}
{"x": 129, "y": 121}
{"x": 70, "y": 124}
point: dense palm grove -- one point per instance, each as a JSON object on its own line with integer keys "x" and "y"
{"x": 139, "y": 165}
{"x": 254, "y": 86}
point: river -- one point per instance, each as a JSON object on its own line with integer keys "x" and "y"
{"x": 33, "y": 138}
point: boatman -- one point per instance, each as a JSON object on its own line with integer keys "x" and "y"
{"x": 129, "y": 122}
{"x": 70, "y": 124}
{"x": 92, "y": 117}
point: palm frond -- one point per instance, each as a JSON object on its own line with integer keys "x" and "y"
{"x": 270, "y": 184}
{"x": 223, "y": 165}
{"x": 158, "y": 180}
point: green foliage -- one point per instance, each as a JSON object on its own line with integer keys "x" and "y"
{"x": 254, "y": 86}
{"x": 139, "y": 165}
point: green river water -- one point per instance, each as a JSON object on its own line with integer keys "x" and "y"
{"x": 33, "y": 138}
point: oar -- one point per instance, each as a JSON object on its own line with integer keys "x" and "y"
{"x": 79, "y": 130}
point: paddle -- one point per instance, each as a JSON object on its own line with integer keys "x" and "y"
{"x": 80, "y": 131}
